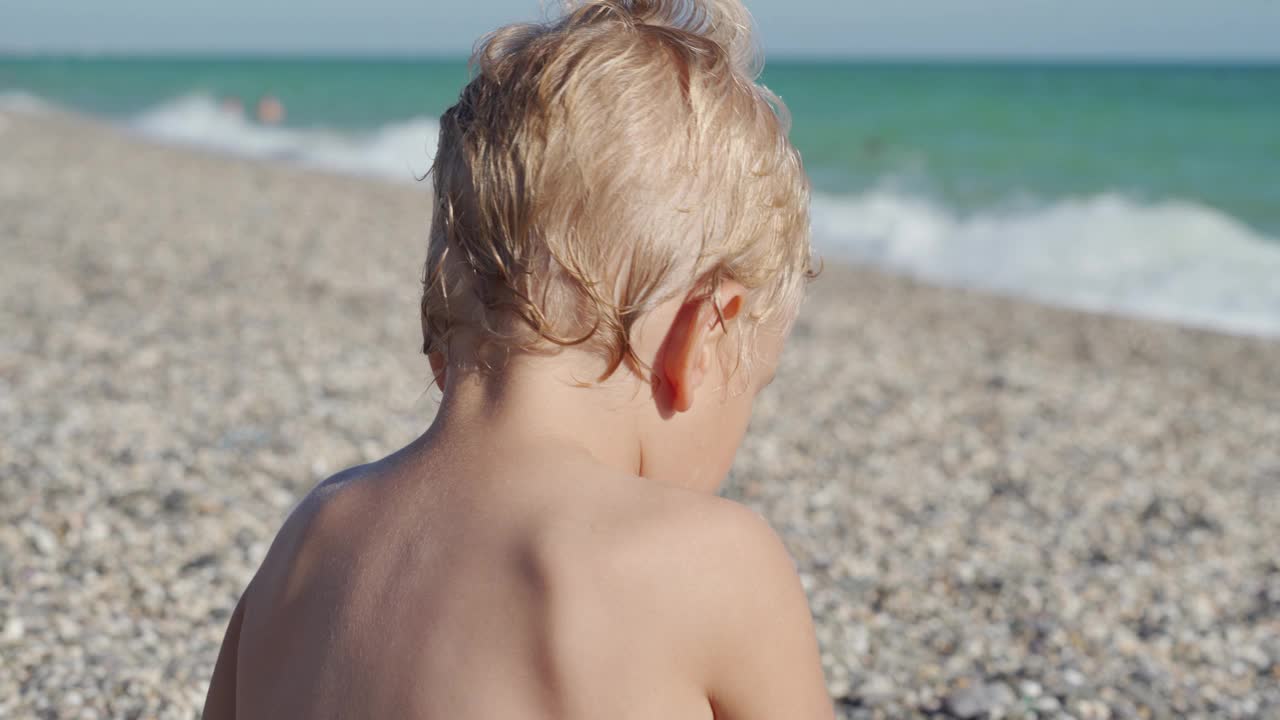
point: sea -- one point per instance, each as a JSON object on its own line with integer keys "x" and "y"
{"x": 1139, "y": 189}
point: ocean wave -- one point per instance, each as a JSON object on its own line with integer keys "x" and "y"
{"x": 398, "y": 151}
{"x": 1174, "y": 260}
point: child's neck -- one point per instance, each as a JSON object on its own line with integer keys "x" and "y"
{"x": 536, "y": 399}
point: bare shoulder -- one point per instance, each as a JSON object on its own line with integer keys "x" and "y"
{"x": 220, "y": 702}
{"x": 745, "y": 606}
{"x": 650, "y": 541}
{"x": 317, "y": 520}
{"x": 716, "y": 547}
{"x": 323, "y": 501}
{"x": 733, "y": 539}
{"x": 729, "y": 561}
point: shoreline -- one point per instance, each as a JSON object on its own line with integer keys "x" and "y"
{"x": 1059, "y": 251}
{"x": 994, "y": 504}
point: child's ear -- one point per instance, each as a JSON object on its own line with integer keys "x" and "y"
{"x": 692, "y": 340}
{"x": 438, "y": 368}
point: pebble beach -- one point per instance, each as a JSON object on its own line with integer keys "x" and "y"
{"x": 998, "y": 509}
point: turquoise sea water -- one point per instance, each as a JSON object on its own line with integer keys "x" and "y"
{"x": 1152, "y": 189}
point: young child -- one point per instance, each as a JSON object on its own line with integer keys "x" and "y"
{"x": 618, "y": 249}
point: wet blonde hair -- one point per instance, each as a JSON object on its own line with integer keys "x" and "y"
{"x": 602, "y": 163}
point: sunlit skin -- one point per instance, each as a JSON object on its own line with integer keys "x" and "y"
{"x": 545, "y": 550}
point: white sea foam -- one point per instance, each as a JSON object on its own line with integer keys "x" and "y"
{"x": 23, "y": 102}
{"x": 398, "y": 151}
{"x": 1175, "y": 260}
{"x": 1172, "y": 260}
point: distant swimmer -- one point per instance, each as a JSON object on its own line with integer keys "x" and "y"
{"x": 270, "y": 111}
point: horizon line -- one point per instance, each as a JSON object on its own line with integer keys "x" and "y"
{"x": 780, "y": 55}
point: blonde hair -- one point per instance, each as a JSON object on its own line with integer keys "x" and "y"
{"x": 603, "y": 163}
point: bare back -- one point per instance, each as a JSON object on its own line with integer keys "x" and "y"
{"x": 425, "y": 589}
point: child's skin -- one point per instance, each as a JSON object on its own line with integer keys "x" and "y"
{"x": 544, "y": 550}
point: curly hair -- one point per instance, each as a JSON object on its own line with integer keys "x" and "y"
{"x": 604, "y": 162}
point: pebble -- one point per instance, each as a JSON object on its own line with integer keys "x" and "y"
{"x": 876, "y": 690}
{"x": 979, "y": 700}
{"x": 1048, "y": 704}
